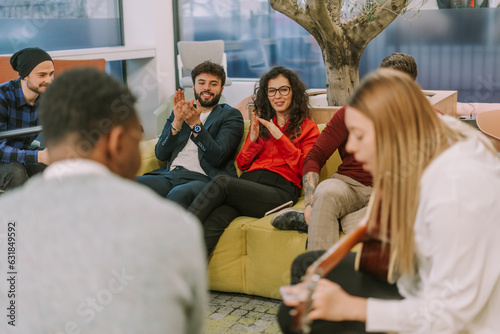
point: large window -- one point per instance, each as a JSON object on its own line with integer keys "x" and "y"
{"x": 256, "y": 38}
{"x": 59, "y": 24}
{"x": 455, "y": 49}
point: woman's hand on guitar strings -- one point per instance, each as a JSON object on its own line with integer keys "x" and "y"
{"x": 331, "y": 302}
{"x": 293, "y": 294}
{"x": 328, "y": 302}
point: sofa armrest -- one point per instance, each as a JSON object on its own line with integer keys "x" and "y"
{"x": 332, "y": 164}
{"x": 149, "y": 162}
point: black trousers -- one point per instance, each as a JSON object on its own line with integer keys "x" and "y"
{"x": 354, "y": 282}
{"x": 15, "y": 174}
{"x": 226, "y": 197}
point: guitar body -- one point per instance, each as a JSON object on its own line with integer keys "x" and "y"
{"x": 374, "y": 259}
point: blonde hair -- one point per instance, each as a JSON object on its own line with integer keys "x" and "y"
{"x": 409, "y": 135}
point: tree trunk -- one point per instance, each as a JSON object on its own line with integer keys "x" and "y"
{"x": 342, "y": 77}
{"x": 341, "y": 57}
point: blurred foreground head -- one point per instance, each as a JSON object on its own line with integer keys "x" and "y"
{"x": 86, "y": 114}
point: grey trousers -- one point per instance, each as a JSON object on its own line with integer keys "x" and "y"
{"x": 338, "y": 203}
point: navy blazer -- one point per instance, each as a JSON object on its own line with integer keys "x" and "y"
{"x": 217, "y": 142}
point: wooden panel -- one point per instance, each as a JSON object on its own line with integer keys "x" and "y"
{"x": 443, "y": 100}
{"x": 6, "y": 71}
{"x": 60, "y": 65}
{"x": 322, "y": 115}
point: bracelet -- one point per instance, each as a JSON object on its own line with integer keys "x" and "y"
{"x": 307, "y": 205}
{"x": 176, "y": 130}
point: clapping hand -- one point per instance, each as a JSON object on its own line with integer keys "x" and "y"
{"x": 254, "y": 128}
{"x": 178, "y": 98}
{"x": 255, "y": 125}
{"x": 178, "y": 102}
{"x": 191, "y": 113}
{"x": 273, "y": 129}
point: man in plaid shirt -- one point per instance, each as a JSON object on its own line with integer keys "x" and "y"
{"x": 19, "y": 109}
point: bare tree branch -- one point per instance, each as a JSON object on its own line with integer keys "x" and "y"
{"x": 365, "y": 26}
{"x": 334, "y": 9}
{"x": 324, "y": 23}
{"x": 291, "y": 9}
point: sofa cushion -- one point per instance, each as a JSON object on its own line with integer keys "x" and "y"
{"x": 227, "y": 265}
{"x": 270, "y": 253}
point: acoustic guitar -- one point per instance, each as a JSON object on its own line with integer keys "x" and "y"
{"x": 373, "y": 258}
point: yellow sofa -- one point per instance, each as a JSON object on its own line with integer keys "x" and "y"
{"x": 252, "y": 257}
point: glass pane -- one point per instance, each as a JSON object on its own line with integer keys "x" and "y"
{"x": 59, "y": 24}
{"x": 256, "y": 38}
{"x": 455, "y": 49}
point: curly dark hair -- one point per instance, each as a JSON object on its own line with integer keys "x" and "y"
{"x": 299, "y": 106}
{"x": 210, "y": 68}
{"x": 85, "y": 102}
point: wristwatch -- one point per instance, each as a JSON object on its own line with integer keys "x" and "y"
{"x": 196, "y": 128}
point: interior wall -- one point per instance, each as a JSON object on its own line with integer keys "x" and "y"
{"x": 150, "y": 23}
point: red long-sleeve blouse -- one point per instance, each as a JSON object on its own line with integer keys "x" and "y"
{"x": 282, "y": 156}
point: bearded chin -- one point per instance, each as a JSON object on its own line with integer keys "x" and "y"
{"x": 38, "y": 90}
{"x": 208, "y": 104}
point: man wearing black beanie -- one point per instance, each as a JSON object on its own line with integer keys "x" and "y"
{"x": 19, "y": 109}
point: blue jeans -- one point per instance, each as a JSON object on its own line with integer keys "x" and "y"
{"x": 179, "y": 185}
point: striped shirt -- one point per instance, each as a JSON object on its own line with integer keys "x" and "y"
{"x": 16, "y": 113}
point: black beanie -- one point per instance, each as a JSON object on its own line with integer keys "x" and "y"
{"x": 25, "y": 60}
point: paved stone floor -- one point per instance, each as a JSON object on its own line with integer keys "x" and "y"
{"x": 238, "y": 313}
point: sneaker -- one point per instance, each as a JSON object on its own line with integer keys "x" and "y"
{"x": 290, "y": 219}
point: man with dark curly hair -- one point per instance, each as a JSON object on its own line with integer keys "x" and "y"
{"x": 199, "y": 140}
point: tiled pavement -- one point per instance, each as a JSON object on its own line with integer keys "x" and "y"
{"x": 238, "y": 313}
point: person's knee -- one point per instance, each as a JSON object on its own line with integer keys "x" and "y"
{"x": 183, "y": 195}
{"x": 218, "y": 184}
{"x": 13, "y": 175}
{"x": 330, "y": 189}
{"x": 157, "y": 183}
{"x": 301, "y": 263}
{"x": 221, "y": 180}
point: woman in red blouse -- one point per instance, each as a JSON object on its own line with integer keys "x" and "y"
{"x": 271, "y": 159}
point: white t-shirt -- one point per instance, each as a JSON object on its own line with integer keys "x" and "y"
{"x": 188, "y": 156}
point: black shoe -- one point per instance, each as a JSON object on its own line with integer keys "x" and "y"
{"x": 290, "y": 219}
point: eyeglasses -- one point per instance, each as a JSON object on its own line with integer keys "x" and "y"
{"x": 284, "y": 91}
